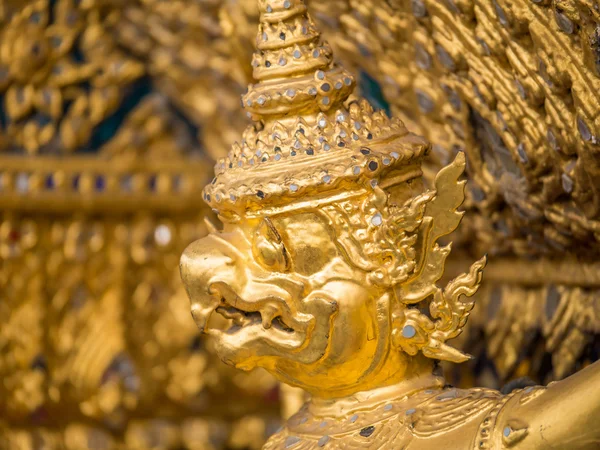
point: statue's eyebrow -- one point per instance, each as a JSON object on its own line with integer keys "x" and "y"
{"x": 272, "y": 228}
{"x": 276, "y": 237}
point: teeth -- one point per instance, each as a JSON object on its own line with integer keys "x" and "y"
{"x": 238, "y": 316}
{"x": 268, "y": 314}
{"x": 231, "y": 313}
{"x": 281, "y": 325}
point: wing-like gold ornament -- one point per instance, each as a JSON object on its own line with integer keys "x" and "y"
{"x": 441, "y": 218}
{"x": 448, "y": 310}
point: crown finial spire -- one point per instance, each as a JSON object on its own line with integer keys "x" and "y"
{"x": 308, "y": 141}
{"x": 293, "y": 66}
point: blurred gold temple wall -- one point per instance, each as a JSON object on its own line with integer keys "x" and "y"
{"x": 111, "y": 113}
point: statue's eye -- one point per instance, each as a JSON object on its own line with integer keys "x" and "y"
{"x": 269, "y": 249}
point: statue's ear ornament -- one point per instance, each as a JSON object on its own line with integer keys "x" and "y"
{"x": 414, "y": 330}
{"x": 397, "y": 247}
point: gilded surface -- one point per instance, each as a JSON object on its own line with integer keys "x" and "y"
{"x": 112, "y": 101}
{"x": 327, "y": 268}
{"x": 514, "y": 84}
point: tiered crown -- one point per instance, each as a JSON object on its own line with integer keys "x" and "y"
{"x": 306, "y": 140}
{"x": 293, "y": 65}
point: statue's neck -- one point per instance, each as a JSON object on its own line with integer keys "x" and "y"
{"x": 371, "y": 398}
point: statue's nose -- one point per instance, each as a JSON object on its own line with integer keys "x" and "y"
{"x": 205, "y": 262}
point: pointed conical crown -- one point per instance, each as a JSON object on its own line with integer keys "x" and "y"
{"x": 306, "y": 143}
{"x": 293, "y": 66}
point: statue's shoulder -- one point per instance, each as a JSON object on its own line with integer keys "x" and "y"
{"x": 452, "y": 409}
{"x": 373, "y": 433}
{"x": 449, "y": 416}
{"x": 473, "y": 419}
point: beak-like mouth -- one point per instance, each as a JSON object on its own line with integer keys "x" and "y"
{"x": 267, "y": 326}
{"x": 270, "y": 317}
{"x": 271, "y": 310}
{"x": 240, "y": 318}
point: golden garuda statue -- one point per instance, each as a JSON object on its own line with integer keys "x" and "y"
{"x": 328, "y": 262}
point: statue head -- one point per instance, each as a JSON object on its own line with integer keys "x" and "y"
{"x": 328, "y": 257}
